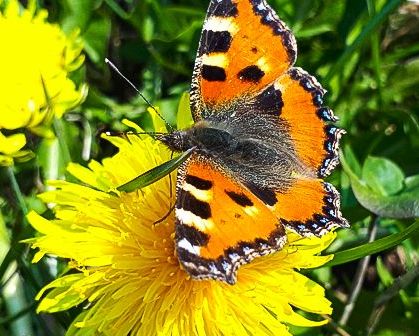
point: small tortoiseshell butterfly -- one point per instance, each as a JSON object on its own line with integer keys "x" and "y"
{"x": 261, "y": 143}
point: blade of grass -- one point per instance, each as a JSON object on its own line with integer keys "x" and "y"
{"x": 375, "y": 48}
{"x": 16, "y": 190}
{"x": 160, "y": 59}
{"x": 389, "y": 7}
{"x": 374, "y": 247}
{"x": 118, "y": 9}
{"x": 382, "y": 301}
{"x": 12, "y": 287}
{"x": 155, "y": 174}
{"x": 24, "y": 311}
{"x": 15, "y": 301}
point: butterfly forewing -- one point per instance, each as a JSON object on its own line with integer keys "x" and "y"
{"x": 244, "y": 46}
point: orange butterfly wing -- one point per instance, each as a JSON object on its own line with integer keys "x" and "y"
{"x": 310, "y": 207}
{"x": 220, "y": 224}
{"x": 316, "y": 141}
{"x": 244, "y": 47}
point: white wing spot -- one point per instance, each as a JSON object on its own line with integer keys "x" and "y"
{"x": 215, "y": 23}
{"x": 202, "y": 195}
{"x": 188, "y": 218}
{"x": 185, "y": 244}
{"x": 217, "y": 59}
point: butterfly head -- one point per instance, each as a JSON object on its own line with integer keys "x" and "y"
{"x": 176, "y": 140}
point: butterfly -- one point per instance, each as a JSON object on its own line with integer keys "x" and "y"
{"x": 261, "y": 144}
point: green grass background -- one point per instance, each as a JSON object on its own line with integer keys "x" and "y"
{"x": 364, "y": 52}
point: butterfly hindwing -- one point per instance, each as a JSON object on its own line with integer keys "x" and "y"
{"x": 309, "y": 207}
{"x": 244, "y": 46}
{"x": 220, "y": 224}
{"x": 316, "y": 141}
{"x": 296, "y": 99}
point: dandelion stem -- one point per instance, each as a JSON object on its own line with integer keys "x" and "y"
{"x": 359, "y": 276}
{"x": 16, "y": 190}
{"x": 60, "y": 134}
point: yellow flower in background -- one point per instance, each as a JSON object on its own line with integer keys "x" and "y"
{"x": 11, "y": 149}
{"x": 125, "y": 271}
{"x": 35, "y": 63}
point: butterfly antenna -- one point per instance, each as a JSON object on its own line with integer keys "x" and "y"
{"x": 113, "y": 66}
{"x": 108, "y": 133}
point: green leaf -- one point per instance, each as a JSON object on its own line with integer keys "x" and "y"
{"x": 77, "y": 14}
{"x": 148, "y": 29}
{"x": 96, "y": 39}
{"x": 352, "y": 161}
{"x": 178, "y": 22}
{"x": 412, "y": 183}
{"x": 382, "y": 175}
{"x": 404, "y": 205}
{"x": 373, "y": 247}
{"x": 383, "y": 273}
{"x": 155, "y": 173}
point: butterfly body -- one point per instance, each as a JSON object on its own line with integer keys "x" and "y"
{"x": 252, "y": 147}
{"x": 262, "y": 142}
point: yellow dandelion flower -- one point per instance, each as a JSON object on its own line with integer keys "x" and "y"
{"x": 35, "y": 61}
{"x": 127, "y": 276}
{"x": 11, "y": 149}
